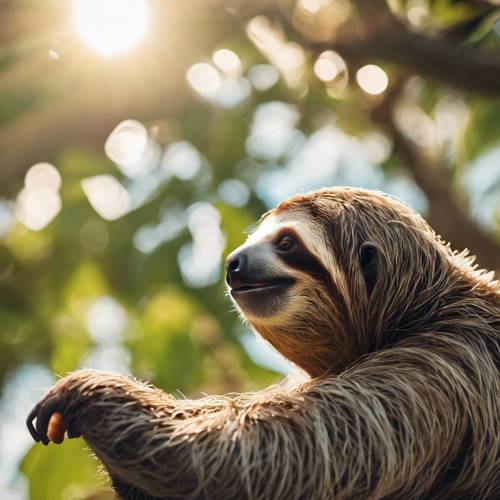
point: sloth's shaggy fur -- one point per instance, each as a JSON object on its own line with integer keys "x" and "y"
{"x": 404, "y": 399}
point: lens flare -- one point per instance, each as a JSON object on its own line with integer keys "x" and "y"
{"x": 111, "y": 27}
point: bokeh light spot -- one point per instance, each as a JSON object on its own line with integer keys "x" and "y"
{"x": 39, "y": 201}
{"x": 203, "y": 78}
{"x": 417, "y": 12}
{"x": 43, "y": 176}
{"x": 227, "y": 61}
{"x": 326, "y": 68}
{"x": 234, "y": 192}
{"x": 6, "y": 216}
{"x": 106, "y": 320}
{"x": 200, "y": 261}
{"x": 332, "y": 69}
{"x": 376, "y": 147}
{"x": 263, "y": 77}
{"x": 54, "y": 55}
{"x": 311, "y": 6}
{"x": 107, "y": 196}
{"x": 181, "y": 159}
{"x": 94, "y": 235}
{"x": 273, "y": 133}
{"x": 287, "y": 57}
{"x": 131, "y": 148}
{"x": 127, "y": 142}
{"x": 372, "y": 79}
{"x": 36, "y": 208}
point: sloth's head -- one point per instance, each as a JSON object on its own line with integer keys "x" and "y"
{"x": 331, "y": 275}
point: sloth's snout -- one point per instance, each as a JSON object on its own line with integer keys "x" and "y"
{"x": 255, "y": 284}
{"x": 237, "y": 269}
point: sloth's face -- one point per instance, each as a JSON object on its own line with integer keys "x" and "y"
{"x": 286, "y": 283}
{"x": 325, "y": 276}
{"x": 267, "y": 275}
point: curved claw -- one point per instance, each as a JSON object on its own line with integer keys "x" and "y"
{"x": 42, "y": 412}
{"x": 49, "y": 406}
{"x": 29, "y": 421}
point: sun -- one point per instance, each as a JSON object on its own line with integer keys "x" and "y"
{"x": 111, "y": 27}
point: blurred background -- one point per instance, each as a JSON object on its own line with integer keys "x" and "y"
{"x": 139, "y": 140}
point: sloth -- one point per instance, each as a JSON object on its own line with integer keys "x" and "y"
{"x": 398, "y": 333}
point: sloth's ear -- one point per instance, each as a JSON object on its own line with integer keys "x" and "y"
{"x": 369, "y": 263}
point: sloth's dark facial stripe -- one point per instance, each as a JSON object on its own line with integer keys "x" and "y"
{"x": 299, "y": 257}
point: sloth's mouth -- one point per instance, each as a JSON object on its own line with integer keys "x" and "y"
{"x": 268, "y": 286}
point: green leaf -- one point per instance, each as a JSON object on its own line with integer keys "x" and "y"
{"x": 65, "y": 472}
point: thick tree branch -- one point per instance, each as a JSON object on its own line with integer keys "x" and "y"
{"x": 452, "y": 64}
{"x": 445, "y": 213}
{"x": 377, "y": 34}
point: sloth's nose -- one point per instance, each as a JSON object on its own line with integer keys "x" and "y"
{"x": 236, "y": 269}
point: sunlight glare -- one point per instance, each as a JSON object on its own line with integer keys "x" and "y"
{"x": 111, "y": 27}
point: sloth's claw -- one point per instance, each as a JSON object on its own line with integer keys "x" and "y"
{"x": 48, "y": 407}
{"x": 29, "y": 422}
{"x": 43, "y": 411}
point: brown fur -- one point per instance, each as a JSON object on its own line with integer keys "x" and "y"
{"x": 404, "y": 402}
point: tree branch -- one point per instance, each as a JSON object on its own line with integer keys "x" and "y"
{"x": 445, "y": 213}
{"x": 376, "y": 34}
{"x": 455, "y": 65}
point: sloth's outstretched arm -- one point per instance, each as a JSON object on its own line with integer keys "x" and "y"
{"x": 369, "y": 433}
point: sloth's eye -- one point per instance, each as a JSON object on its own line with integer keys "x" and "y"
{"x": 285, "y": 244}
